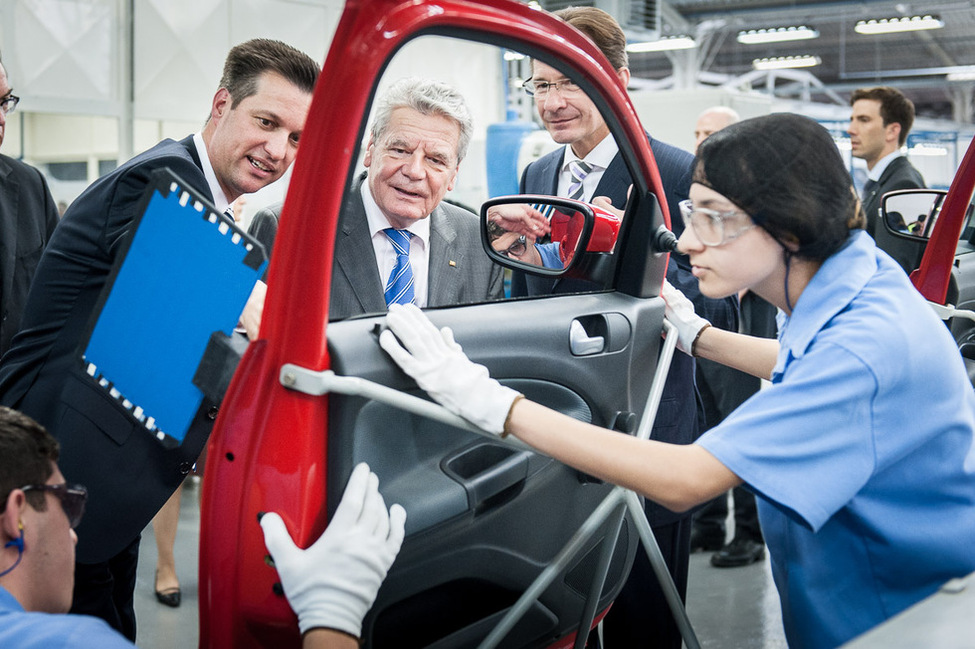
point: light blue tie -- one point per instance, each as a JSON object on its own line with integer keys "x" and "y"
{"x": 578, "y": 170}
{"x": 399, "y": 286}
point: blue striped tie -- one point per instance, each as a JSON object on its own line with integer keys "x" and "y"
{"x": 399, "y": 287}
{"x": 578, "y": 170}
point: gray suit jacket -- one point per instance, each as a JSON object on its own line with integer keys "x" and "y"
{"x": 459, "y": 272}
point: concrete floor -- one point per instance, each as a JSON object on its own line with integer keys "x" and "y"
{"x": 729, "y": 608}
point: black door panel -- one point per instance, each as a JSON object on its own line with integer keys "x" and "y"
{"x": 485, "y": 518}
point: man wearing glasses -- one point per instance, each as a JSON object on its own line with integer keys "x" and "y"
{"x": 330, "y": 586}
{"x": 28, "y": 215}
{"x": 587, "y": 167}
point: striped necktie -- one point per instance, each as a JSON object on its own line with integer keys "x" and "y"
{"x": 578, "y": 170}
{"x": 399, "y": 286}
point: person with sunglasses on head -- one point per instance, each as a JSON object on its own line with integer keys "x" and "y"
{"x": 861, "y": 453}
{"x": 331, "y": 585}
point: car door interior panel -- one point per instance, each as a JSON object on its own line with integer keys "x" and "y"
{"x": 485, "y": 518}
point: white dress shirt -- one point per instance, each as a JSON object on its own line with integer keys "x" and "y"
{"x": 386, "y": 255}
{"x": 600, "y": 157}
{"x": 219, "y": 198}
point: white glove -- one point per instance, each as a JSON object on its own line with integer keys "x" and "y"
{"x": 334, "y": 583}
{"x": 680, "y": 313}
{"x": 439, "y": 366}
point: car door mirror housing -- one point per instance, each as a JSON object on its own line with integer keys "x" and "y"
{"x": 509, "y": 238}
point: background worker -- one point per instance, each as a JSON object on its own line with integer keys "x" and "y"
{"x": 331, "y": 585}
{"x": 879, "y": 124}
{"x": 837, "y": 456}
{"x": 722, "y": 390}
{"x": 28, "y": 215}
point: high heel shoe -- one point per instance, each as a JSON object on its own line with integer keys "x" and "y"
{"x": 170, "y": 597}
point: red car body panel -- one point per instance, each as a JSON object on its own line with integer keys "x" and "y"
{"x": 933, "y": 275}
{"x": 268, "y": 451}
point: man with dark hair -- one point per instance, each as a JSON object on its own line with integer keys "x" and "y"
{"x": 248, "y": 141}
{"x": 589, "y": 166}
{"x": 331, "y": 585}
{"x": 881, "y": 119}
{"x": 28, "y": 216}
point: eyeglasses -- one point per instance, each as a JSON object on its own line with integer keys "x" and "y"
{"x": 517, "y": 248}
{"x": 8, "y": 104}
{"x": 540, "y": 89}
{"x": 72, "y": 497}
{"x": 709, "y": 225}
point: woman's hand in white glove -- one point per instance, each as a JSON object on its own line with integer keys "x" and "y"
{"x": 439, "y": 366}
{"x": 680, "y": 313}
{"x": 334, "y": 583}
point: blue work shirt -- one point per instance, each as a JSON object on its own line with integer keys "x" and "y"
{"x": 861, "y": 452}
{"x": 24, "y": 630}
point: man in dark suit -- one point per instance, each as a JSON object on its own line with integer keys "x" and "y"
{"x": 881, "y": 119}
{"x": 640, "y": 616}
{"x": 28, "y": 216}
{"x": 248, "y": 141}
{"x": 418, "y": 138}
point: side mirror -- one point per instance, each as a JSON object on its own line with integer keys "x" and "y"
{"x": 574, "y": 226}
{"x": 912, "y": 213}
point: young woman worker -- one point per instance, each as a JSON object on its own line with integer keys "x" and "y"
{"x": 860, "y": 453}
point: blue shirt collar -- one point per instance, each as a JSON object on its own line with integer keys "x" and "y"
{"x": 841, "y": 277}
{"x": 9, "y": 603}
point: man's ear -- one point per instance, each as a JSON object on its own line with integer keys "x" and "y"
{"x": 12, "y": 515}
{"x": 221, "y": 103}
{"x": 893, "y": 132}
{"x": 624, "y": 76}
{"x": 367, "y": 158}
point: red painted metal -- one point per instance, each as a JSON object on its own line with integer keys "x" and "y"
{"x": 268, "y": 451}
{"x": 932, "y": 277}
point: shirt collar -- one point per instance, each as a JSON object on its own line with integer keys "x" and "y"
{"x": 601, "y": 155}
{"x": 882, "y": 164}
{"x": 378, "y": 221}
{"x": 9, "y": 603}
{"x": 219, "y": 198}
{"x": 841, "y": 278}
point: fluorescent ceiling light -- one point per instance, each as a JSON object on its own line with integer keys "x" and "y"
{"x": 670, "y": 43}
{"x": 783, "y": 62}
{"x": 776, "y": 35}
{"x": 893, "y": 25}
{"x": 513, "y": 56}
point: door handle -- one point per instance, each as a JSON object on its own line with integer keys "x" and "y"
{"x": 487, "y": 470}
{"x": 581, "y": 343}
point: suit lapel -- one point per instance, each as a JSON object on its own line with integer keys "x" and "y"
{"x": 356, "y": 257}
{"x": 441, "y": 283}
{"x": 549, "y": 173}
{"x": 614, "y": 182}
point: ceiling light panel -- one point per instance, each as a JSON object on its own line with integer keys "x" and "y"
{"x": 776, "y": 35}
{"x": 786, "y": 62}
{"x": 895, "y": 25}
{"x": 664, "y": 44}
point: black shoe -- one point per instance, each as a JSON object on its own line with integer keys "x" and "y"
{"x": 170, "y": 597}
{"x": 706, "y": 541}
{"x": 740, "y": 552}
